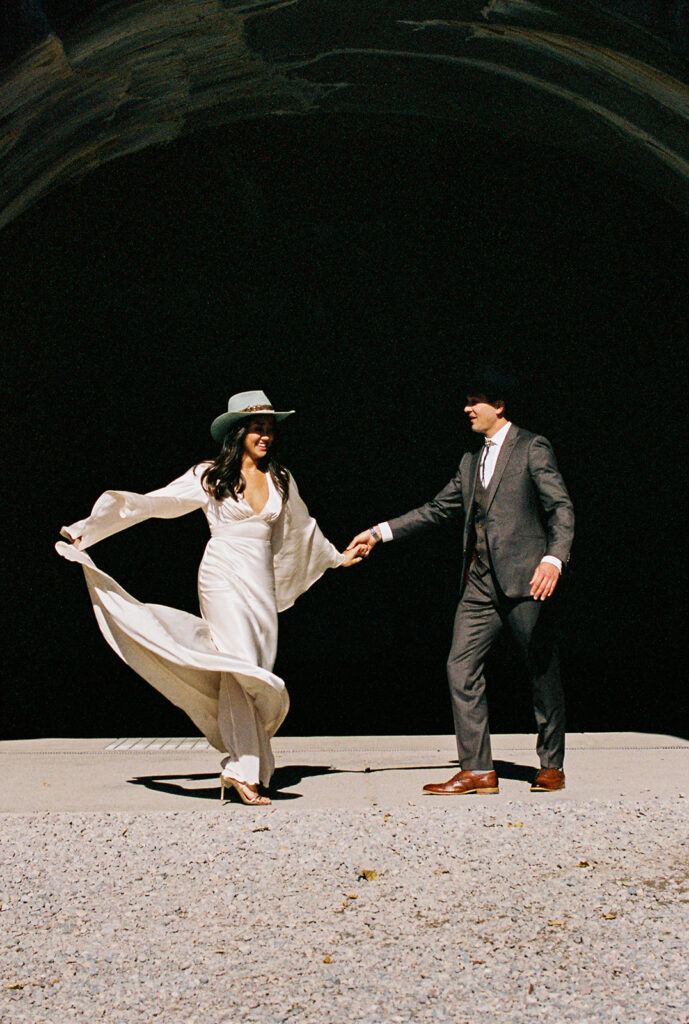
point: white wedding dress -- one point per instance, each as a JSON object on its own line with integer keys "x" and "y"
{"x": 217, "y": 668}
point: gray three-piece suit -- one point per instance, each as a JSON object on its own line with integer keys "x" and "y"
{"x": 522, "y": 515}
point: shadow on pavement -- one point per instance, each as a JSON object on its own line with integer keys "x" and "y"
{"x": 162, "y": 784}
{"x": 518, "y": 772}
{"x": 287, "y": 776}
{"x": 290, "y": 775}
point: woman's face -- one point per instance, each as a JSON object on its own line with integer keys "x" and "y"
{"x": 259, "y": 436}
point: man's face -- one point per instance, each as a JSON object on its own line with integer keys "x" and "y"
{"x": 484, "y": 417}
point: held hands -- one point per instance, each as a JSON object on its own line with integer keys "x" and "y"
{"x": 364, "y": 539}
{"x": 354, "y": 554}
{"x": 360, "y": 547}
{"x": 544, "y": 581}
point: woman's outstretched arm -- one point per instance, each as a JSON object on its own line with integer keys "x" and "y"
{"x": 117, "y": 510}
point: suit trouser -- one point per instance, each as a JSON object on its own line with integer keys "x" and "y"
{"x": 481, "y": 613}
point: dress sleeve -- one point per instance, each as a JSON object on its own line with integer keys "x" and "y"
{"x": 301, "y": 553}
{"x": 116, "y": 510}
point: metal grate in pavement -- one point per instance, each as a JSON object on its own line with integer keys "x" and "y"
{"x": 153, "y": 744}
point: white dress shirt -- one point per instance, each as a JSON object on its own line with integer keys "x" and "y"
{"x": 489, "y": 464}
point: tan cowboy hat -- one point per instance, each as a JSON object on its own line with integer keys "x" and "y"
{"x": 239, "y": 407}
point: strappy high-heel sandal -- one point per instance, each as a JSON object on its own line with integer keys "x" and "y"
{"x": 245, "y": 793}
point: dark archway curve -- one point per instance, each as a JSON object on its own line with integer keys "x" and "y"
{"x": 104, "y": 335}
{"x": 128, "y": 76}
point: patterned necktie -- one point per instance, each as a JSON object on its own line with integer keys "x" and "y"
{"x": 487, "y": 445}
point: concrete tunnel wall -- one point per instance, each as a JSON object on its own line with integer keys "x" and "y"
{"x": 115, "y": 78}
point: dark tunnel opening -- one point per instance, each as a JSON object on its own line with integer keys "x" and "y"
{"x": 355, "y": 269}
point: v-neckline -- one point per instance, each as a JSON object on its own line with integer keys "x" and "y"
{"x": 265, "y": 504}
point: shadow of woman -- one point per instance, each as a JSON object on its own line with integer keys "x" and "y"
{"x": 178, "y": 785}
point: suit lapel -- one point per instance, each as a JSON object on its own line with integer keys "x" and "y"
{"x": 471, "y": 491}
{"x": 503, "y": 458}
{"x": 476, "y": 457}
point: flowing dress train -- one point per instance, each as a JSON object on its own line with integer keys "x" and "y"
{"x": 216, "y": 668}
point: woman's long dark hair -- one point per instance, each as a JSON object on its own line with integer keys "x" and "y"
{"x": 223, "y": 478}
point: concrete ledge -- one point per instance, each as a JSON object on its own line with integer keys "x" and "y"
{"x": 174, "y": 773}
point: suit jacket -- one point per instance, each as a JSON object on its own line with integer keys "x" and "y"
{"x": 529, "y": 510}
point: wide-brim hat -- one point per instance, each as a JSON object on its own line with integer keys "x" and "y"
{"x": 240, "y": 407}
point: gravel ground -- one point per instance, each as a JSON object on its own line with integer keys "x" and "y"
{"x": 555, "y": 912}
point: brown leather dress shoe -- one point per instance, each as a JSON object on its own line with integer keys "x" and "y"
{"x": 548, "y": 780}
{"x": 463, "y": 783}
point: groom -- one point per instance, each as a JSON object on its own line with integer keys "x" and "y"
{"x": 518, "y": 530}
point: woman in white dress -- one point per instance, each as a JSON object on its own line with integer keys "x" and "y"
{"x": 263, "y": 552}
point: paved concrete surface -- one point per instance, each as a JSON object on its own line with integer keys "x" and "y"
{"x": 357, "y": 772}
{"x": 130, "y": 894}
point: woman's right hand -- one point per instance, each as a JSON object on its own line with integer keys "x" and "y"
{"x": 353, "y": 555}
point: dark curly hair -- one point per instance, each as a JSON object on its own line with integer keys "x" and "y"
{"x": 223, "y": 478}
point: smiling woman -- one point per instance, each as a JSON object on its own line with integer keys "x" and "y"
{"x": 247, "y": 455}
{"x": 264, "y": 551}
{"x": 258, "y": 442}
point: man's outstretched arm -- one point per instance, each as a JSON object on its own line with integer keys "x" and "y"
{"x": 445, "y": 505}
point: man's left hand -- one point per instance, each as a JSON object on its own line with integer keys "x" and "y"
{"x": 544, "y": 581}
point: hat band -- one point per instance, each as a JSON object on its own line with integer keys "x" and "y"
{"x": 258, "y": 408}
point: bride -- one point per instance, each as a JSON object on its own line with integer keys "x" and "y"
{"x": 264, "y": 551}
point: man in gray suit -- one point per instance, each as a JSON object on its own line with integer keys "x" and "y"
{"x": 518, "y": 530}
